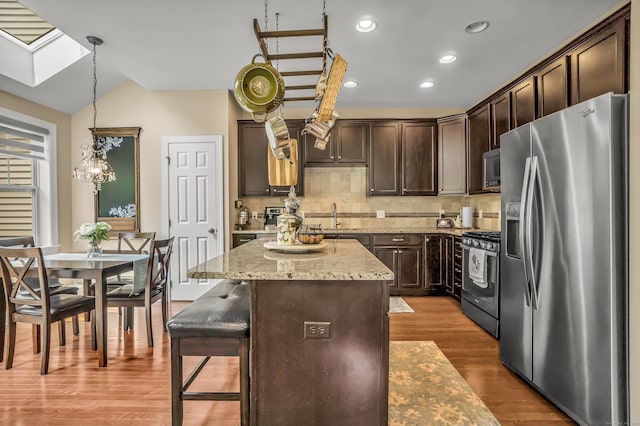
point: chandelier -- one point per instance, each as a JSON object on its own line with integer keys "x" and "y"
{"x": 94, "y": 168}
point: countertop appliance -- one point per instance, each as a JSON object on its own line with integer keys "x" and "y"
{"x": 564, "y": 263}
{"x": 491, "y": 170}
{"x": 481, "y": 279}
{"x": 271, "y": 217}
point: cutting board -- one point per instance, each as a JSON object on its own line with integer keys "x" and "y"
{"x": 284, "y": 172}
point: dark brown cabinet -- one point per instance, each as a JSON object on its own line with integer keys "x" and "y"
{"x": 403, "y": 254}
{"x": 253, "y": 151}
{"x": 364, "y": 239}
{"x": 553, "y": 87}
{"x": 435, "y": 273}
{"x": 501, "y": 117}
{"x": 384, "y": 159}
{"x": 419, "y": 158}
{"x": 403, "y": 158}
{"x": 523, "y": 103}
{"x": 347, "y": 146}
{"x": 240, "y": 239}
{"x": 478, "y": 143}
{"x": 598, "y": 65}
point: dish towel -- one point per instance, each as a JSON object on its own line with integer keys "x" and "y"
{"x": 477, "y": 267}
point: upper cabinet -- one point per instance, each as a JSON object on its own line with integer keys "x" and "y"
{"x": 501, "y": 118}
{"x": 452, "y": 165}
{"x": 599, "y": 64}
{"x": 419, "y": 158}
{"x": 253, "y": 152}
{"x": 403, "y": 158}
{"x": 347, "y": 146}
{"x": 553, "y": 87}
{"x": 523, "y": 103}
{"x": 478, "y": 143}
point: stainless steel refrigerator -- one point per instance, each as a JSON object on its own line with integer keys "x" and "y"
{"x": 564, "y": 259}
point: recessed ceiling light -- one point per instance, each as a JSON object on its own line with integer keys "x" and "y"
{"x": 350, "y": 83}
{"x": 426, "y": 84}
{"x": 447, "y": 59}
{"x": 366, "y": 25}
{"x": 476, "y": 27}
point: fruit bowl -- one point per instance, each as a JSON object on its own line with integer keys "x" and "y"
{"x": 310, "y": 234}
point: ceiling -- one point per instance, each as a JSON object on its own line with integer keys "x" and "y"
{"x": 202, "y": 44}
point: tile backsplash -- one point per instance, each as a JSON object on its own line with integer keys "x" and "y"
{"x": 347, "y": 187}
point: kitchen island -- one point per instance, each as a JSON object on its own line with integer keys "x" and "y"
{"x": 319, "y": 332}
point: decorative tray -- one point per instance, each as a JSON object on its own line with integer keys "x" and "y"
{"x": 296, "y": 248}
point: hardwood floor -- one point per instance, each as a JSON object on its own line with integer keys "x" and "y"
{"x": 134, "y": 388}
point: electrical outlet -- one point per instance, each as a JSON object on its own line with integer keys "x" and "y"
{"x": 442, "y": 213}
{"x": 238, "y": 204}
{"x": 479, "y": 214}
{"x": 254, "y": 215}
{"x": 317, "y": 329}
{"x": 380, "y": 214}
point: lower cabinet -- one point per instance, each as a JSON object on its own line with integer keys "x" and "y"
{"x": 240, "y": 239}
{"x": 403, "y": 254}
{"x": 435, "y": 272}
{"x": 452, "y": 263}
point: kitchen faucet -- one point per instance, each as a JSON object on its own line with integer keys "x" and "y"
{"x": 334, "y": 216}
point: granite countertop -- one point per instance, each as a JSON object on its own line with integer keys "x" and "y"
{"x": 339, "y": 260}
{"x": 401, "y": 230}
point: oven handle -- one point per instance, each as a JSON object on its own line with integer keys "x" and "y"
{"x": 486, "y": 252}
{"x": 524, "y": 202}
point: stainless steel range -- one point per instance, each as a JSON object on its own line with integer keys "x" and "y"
{"x": 481, "y": 279}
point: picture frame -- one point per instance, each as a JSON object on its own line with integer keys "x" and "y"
{"x": 118, "y": 203}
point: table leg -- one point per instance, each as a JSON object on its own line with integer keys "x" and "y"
{"x": 101, "y": 317}
{"x": 85, "y": 290}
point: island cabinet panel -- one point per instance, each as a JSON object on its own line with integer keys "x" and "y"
{"x": 419, "y": 158}
{"x": 501, "y": 116}
{"x": 297, "y": 380}
{"x": 598, "y": 66}
{"x": 452, "y": 155}
{"x": 478, "y": 143}
{"x": 553, "y": 87}
{"x": 435, "y": 272}
{"x": 384, "y": 159}
{"x": 523, "y": 103}
{"x": 253, "y": 152}
{"x": 348, "y": 145}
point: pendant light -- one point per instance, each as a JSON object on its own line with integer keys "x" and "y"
{"x": 94, "y": 168}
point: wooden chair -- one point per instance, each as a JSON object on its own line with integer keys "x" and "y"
{"x": 41, "y": 308}
{"x": 157, "y": 280}
{"x": 55, "y": 287}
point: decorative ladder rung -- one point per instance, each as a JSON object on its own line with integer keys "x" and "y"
{"x": 301, "y": 87}
{"x": 291, "y": 33}
{"x": 295, "y": 73}
{"x": 304, "y": 55}
{"x": 301, "y": 98}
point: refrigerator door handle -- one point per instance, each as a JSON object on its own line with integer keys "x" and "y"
{"x": 521, "y": 230}
{"x": 529, "y": 240}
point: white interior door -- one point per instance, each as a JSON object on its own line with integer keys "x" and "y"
{"x": 194, "y": 208}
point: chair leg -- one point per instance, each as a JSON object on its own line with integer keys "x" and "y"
{"x": 62, "y": 333}
{"x": 11, "y": 345}
{"x": 46, "y": 348}
{"x": 244, "y": 382}
{"x": 128, "y": 314}
{"x": 176, "y": 383}
{"x": 35, "y": 335}
{"x": 3, "y": 328}
{"x": 164, "y": 310}
{"x": 94, "y": 338}
{"x": 76, "y": 325}
{"x": 86, "y": 291}
{"x": 147, "y": 314}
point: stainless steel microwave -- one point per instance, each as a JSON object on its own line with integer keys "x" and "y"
{"x": 491, "y": 170}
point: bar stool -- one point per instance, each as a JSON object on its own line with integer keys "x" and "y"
{"x": 216, "y": 324}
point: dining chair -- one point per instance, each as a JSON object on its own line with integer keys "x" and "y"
{"x": 20, "y": 267}
{"x": 155, "y": 286}
{"x": 55, "y": 287}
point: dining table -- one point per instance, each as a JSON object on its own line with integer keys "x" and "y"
{"x": 96, "y": 269}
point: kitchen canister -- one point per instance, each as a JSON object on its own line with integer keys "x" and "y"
{"x": 286, "y": 229}
{"x": 467, "y": 217}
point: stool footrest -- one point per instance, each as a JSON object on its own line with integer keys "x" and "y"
{"x": 195, "y": 373}
{"x": 211, "y": 396}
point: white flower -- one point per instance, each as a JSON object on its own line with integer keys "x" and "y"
{"x": 87, "y": 229}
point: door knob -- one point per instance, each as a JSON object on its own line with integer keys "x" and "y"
{"x": 211, "y": 231}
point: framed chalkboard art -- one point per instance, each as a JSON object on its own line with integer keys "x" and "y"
{"x": 118, "y": 203}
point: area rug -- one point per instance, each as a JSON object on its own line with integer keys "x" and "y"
{"x": 425, "y": 389}
{"x": 398, "y": 305}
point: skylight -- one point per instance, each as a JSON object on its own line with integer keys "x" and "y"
{"x": 21, "y": 23}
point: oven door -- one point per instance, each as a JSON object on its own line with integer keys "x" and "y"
{"x": 484, "y": 298}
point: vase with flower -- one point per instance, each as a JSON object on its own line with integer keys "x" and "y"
{"x": 95, "y": 233}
